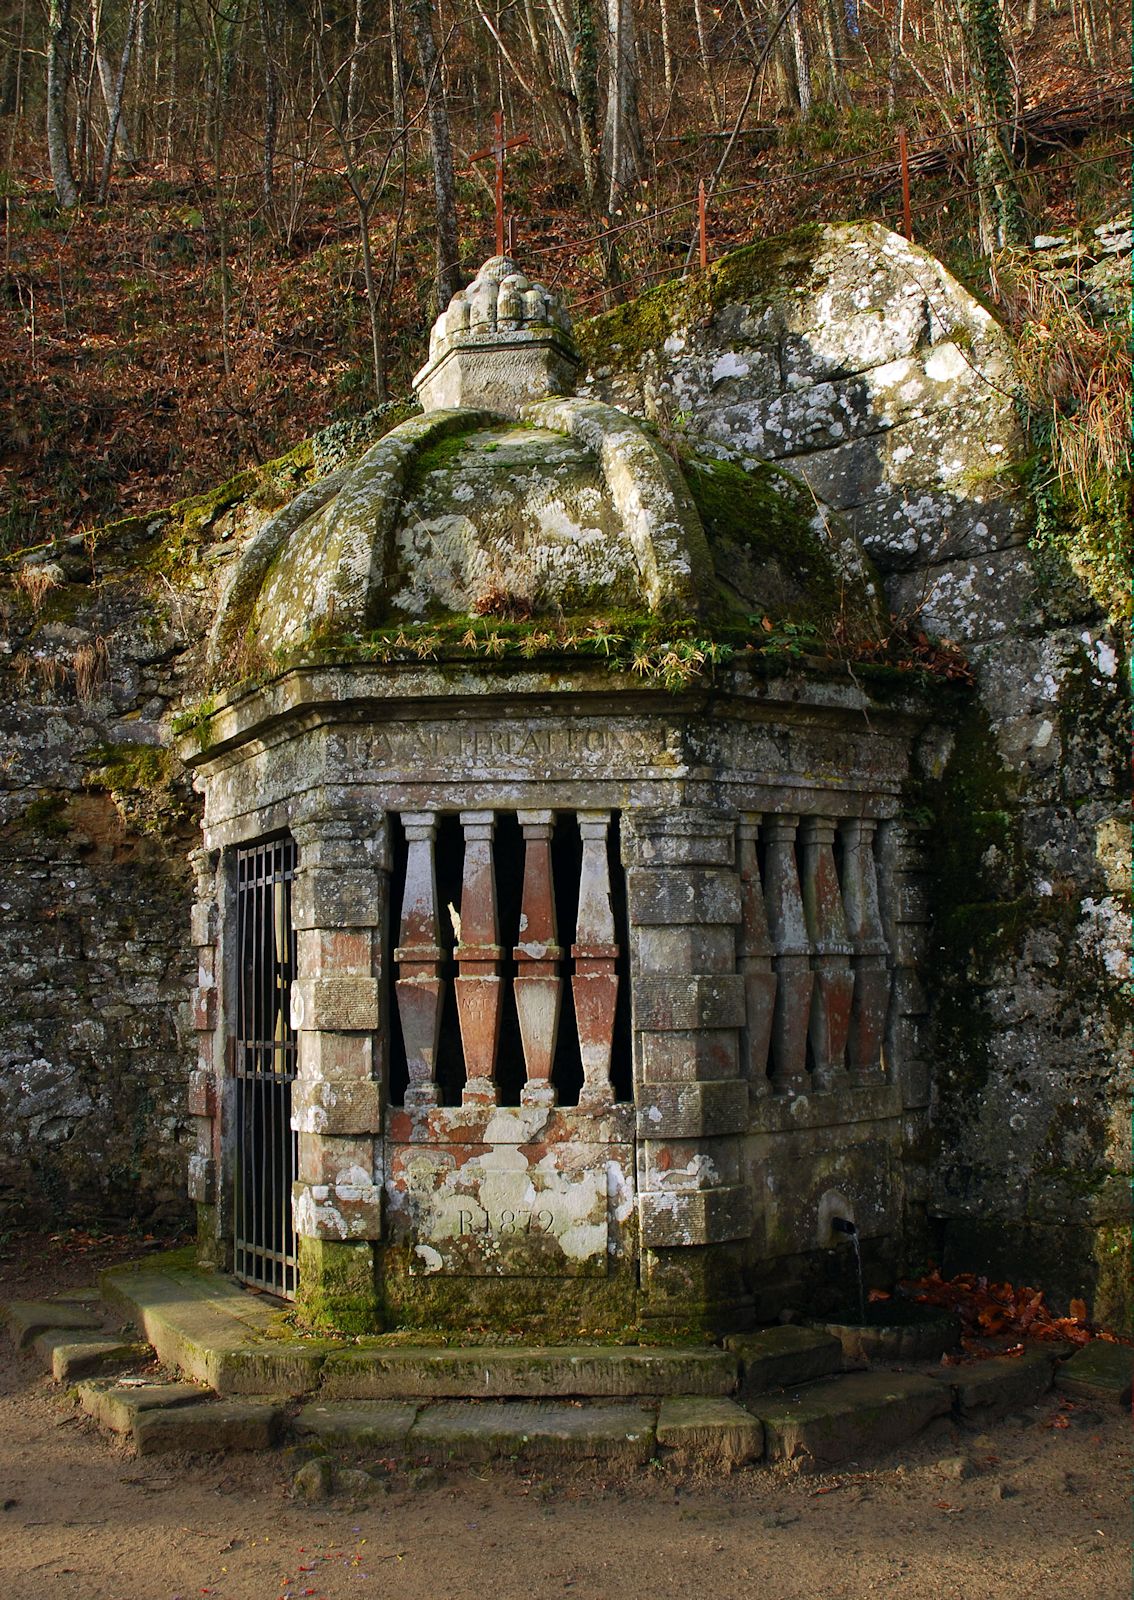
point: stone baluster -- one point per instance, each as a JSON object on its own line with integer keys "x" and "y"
{"x": 538, "y": 987}
{"x": 594, "y": 985}
{"x": 902, "y": 855}
{"x": 830, "y": 952}
{"x": 420, "y": 987}
{"x": 792, "y": 958}
{"x": 208, "y": 1066}
{"x": 871, "y": 977}
{"x": 479, "y": 988}
{"x": 754, "y": 960}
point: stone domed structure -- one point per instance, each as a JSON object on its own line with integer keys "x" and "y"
{"x": 536, "y": 986}
{"x": 511, "y": 496}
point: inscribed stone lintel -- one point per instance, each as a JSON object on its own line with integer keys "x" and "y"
{"x": 481, "y": 1220}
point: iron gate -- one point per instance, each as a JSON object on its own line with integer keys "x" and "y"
{"x": 264, "y": 1066}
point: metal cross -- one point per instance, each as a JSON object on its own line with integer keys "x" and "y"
{"x": 497, "y": 148}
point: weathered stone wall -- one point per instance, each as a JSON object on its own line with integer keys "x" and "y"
{"x": 856, "y": 361}
{"x": 101, "y": 640}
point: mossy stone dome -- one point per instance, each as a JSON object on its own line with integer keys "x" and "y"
{"x": 557, "y": 506}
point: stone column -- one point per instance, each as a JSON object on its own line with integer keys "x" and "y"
{"x": 904, "y": 909}
{"x": 420, "y": 988}
{"x": 692, "y": 1103}
{"x": 207, "y": 1075}
{"x": 339, "y": 911}
{"x": 538, "y": 988}
{"x": 754, "y": 961}
{"x": 792, "y": 957}
{"x": 594, "y": 986}
{"x": 871, "y": 977}
{"x": 479, "y": 989}
{"x": 830, "y": 954}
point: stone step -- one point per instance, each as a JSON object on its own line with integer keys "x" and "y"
{"x": 507, "y": 1372}
{"x": 1100, "y": 1371}
{"x": 709, "y": 1430}
{"x": 781, "y": 1357}
{"x": 25, "y": 1320}
{"x": 163, "y": 1417}
{"x": 547, "y": 1431}
{"x": 1003, "y": 1383}
{"x": 357, "y": 1424}
{"x": 847, "y": 1418}
{"x": 217, "y": 1333}
{"x": 68, "y": 1355}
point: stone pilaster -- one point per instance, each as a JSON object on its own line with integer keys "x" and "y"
{"x": 207, "y": 1074}
{"x": 684, "y": 901}
{"x": 904, "y": 905}
{"x": 339, "y": 912}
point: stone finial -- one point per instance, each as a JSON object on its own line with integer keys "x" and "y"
{"x": 501, "y": 343}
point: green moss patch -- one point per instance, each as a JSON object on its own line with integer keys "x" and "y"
{"x": 756, "y": 274}
{"x": 141, "y": 780}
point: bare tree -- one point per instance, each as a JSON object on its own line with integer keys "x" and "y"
{"x": 58, "y": 154}
{"x": 449, "y": 276}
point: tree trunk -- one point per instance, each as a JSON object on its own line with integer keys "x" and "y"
{"x": 1003, "y": 219}
{"x": 666, "y": 51}
{"x": 622, "y": 132}
{"x": 58, "y": 43}
{"x": 706, "y": 64}
{"x": 110, "y": 99}
{"x": 801, "y": 61}
{"x": 269, "y": 39}
{"x": 115, "y": 107}
{"x": 449, "y": 277}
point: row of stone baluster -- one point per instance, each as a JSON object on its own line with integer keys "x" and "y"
{"x": 813, "y": 954}
{"x": 811, "y": 950}
{"x": 537, "y": 986}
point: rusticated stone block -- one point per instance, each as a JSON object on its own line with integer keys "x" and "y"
{"x": 680, "y": 838}
{"x": 701, "y": 1216}
{"x": 690, "y": 1056}
{"x": 695, "y": 895}
{"x": 685, "y": 949}
{"x": 711, "y": 1000}
{"x": 203, "y": 924}
{"x": 204, "y": 1009}
{"x": 201, "y": 1179}
{"x": 336, "y": 1107}
{"x": 342, "y": 1211}
{"x": 351, "y": 1004}
{"x": 202, "y": 1096}
{"x": 344, "y": 897}
{"x": 692, "y": 1110}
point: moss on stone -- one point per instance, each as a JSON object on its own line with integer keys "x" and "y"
{"x": 47, "y": 814}
{"x": 548, "y": 1309}
{"x": 338, "y": 1286}
{"x": 187, "y": 523}
{"x": 767, "y": 556}
{"x": 756, "y": 274}
{"x": 141, "y": 781}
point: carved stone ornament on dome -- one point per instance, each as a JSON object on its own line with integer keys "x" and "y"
{"x": 500, "y": 344}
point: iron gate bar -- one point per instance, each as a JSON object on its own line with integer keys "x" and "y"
{"x": 264, "y": 1056}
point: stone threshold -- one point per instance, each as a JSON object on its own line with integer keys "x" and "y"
{"x": 775, "y": 1396}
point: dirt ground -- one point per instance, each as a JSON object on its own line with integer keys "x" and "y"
{"x": 1045, "y": 1511}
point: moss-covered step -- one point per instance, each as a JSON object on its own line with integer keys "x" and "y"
{"x": 208, "y": 1328}
{"x": 852, "y": 1417}
{"x": 25, "y": 1320}
{"x": 710, "y": 1430}
{"x": 1100, "y": 1371}
{"x": 506, "y": 1372}
{"x": 779, "y": 1358}
{"x": 547, "y": 1431}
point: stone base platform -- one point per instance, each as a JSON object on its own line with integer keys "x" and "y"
{"x": 223, "y": 1369}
